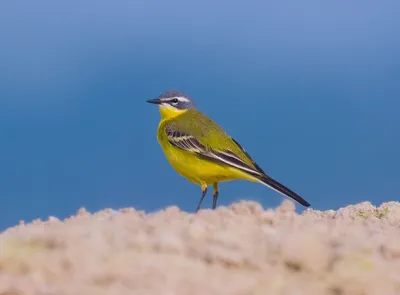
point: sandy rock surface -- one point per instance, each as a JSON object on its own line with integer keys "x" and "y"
{"x": 240, "y": 249}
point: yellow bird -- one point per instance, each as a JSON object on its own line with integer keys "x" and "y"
{"x": 201, "y": 151}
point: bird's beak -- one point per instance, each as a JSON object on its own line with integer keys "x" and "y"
{"x": 154, "y": 101}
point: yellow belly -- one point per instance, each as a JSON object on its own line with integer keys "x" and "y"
{"x": 195, "y": 169}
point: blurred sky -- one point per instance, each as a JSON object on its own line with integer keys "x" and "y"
{"x": 311, "y": 89}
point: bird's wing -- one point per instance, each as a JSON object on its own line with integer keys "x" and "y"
{"x": 206, "y": 139}
{"x": 198, "y": 134}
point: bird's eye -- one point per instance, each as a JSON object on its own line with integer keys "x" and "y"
{"x": 175, "y": 100}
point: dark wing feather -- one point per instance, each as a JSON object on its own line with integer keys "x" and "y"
{"x": 188, "y": 142}
{"x": 183, "y": 140}
{"x": 248, "y": 156}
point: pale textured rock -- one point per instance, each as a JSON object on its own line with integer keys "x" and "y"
{"x": 239, "y": 249}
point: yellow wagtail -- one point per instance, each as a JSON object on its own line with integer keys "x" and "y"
{"x": 201, "y": 151}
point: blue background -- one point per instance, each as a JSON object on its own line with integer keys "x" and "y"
{"x": 311, "y": 89}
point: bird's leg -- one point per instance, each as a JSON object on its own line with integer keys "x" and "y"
{"x": 215, "y": 195}
{"x": 203, "y": 194}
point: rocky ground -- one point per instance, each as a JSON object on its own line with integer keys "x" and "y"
{"x": 241, "y": 249}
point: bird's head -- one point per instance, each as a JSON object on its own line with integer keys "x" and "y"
{"x": 173, "y": 103}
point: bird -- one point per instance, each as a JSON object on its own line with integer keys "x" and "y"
{"x": 202, "y": 152}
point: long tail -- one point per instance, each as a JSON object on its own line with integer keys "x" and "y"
{"x": 280, "y": 188}
{"x": 263, "y": 178}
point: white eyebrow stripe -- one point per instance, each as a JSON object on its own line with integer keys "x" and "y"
{"x": 183, "y": 99}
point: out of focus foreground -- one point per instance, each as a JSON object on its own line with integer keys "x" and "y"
{"x": 240, "y": 249}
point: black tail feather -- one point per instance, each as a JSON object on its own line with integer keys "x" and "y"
{"x": 272, "y": 183}
{"x": 268, "y": 181}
